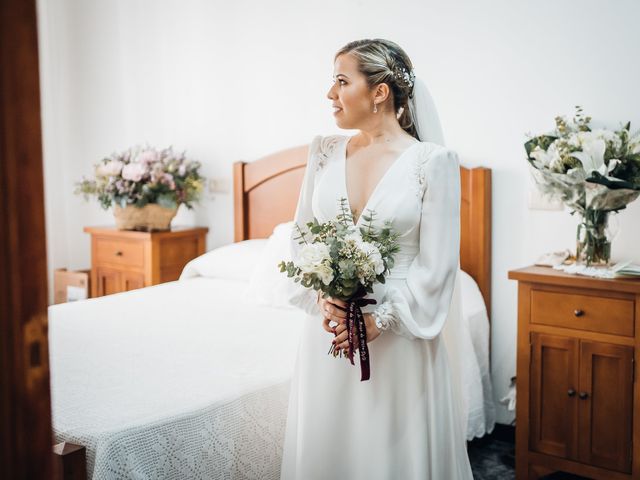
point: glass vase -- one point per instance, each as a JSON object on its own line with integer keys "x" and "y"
{"x": 593, "y": 246}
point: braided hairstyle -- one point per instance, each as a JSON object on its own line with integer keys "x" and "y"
{"x": 383, "y": 61}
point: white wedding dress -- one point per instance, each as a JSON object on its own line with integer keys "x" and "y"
{"x": 405, "y": 421}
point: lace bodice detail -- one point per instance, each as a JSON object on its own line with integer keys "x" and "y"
{"x": 420, "y": 195}
{"x": 322, "y": 148}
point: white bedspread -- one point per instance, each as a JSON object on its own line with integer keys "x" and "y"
{"x": 181, "y": 380}
{"x": 189, "y": 379}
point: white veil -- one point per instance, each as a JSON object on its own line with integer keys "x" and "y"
{"x": 424, "y": 114}
{"x": 427, "y": 123}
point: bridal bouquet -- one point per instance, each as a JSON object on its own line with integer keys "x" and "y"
{"x": 344, "y": 262}
{"x": 593, "y": 172}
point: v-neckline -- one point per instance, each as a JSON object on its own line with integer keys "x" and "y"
{"x": 376, "y": 188}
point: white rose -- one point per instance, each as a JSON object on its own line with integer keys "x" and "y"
{"x": 325, "y": 273}
{"x": 134, "y": 171}
{"x": 374, "y": 256}
{"x": 354, "y": 237}
{"x": 312, "y": 255}
{"x": 147, "y": 157}
{"x": 110, "y": 169}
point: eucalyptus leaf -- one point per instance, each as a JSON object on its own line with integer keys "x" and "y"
{"x": 166, "y": 200}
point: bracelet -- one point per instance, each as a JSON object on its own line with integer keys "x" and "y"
{"x": 381, "y": 317}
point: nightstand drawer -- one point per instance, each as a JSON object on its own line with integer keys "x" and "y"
{"x": 126, "y": 259}
{"x": 583, "y": 312}
{"x": 120, "y": 252}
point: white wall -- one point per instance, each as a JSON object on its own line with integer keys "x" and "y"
{"x": 236, "y": 80}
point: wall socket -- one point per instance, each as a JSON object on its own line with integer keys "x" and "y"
{"x": 218, "y": 185}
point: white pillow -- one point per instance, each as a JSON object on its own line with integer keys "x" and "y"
{"x": 267, "y": 285}
{"x": 234, "y": 261}
{"x": 472, "y": 299}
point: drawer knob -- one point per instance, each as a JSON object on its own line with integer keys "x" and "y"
{"x": 571, "y": 392}
{"x": 578, "y": 312}
{"x": 583, "y": 395}
{"x": 118, "y": 253}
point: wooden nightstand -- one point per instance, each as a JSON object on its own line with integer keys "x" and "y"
{"x": 123, "y": 260}
{"x": 578, "y": 405}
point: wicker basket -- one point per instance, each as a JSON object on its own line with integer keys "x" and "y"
{"x": 148, "y": 218}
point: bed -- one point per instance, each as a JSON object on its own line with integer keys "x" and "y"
{"x": 190, "y": 379}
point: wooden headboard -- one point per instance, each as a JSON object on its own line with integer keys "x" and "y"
{"x": 266, "y": 193}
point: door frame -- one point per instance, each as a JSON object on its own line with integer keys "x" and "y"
{"x": 25, "y": 402}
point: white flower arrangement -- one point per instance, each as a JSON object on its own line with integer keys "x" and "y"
{"x": 586, "y": 169}
{"x": 593, "y": 172}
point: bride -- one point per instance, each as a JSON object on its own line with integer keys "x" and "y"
{"x": 406, "y": 421}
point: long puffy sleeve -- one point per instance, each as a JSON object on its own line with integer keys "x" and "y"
{"x": 301, "y": 297}
{"x": 419, "y": 307}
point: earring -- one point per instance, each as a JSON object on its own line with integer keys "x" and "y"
{"x": 375, "y": 107}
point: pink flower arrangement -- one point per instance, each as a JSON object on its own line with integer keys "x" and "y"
{"x": 139, "y": 176}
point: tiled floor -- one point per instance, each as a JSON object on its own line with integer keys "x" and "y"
{"x": 493, "y": 459}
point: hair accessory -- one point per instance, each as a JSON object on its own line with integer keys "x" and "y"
{"x": 404, "y": 76}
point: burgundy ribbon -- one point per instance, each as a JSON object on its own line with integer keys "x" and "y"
{"x": 356, "y": 318}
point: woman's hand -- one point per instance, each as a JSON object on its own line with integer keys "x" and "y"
{"x": 342, "y": 341}
{"x": 333, "y": 310}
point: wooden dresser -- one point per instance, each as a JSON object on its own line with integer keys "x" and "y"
{"x": 578, "y": 401}
{"x": 122, "y": 260}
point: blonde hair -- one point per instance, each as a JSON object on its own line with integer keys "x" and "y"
{"x": 383, "y": 61}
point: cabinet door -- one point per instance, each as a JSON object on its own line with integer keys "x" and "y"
{"x": 553, "y": 401}
{"x": 131, "y": 280}
{"x": 605, "y": 405}
{"x": 108, "y": 281}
